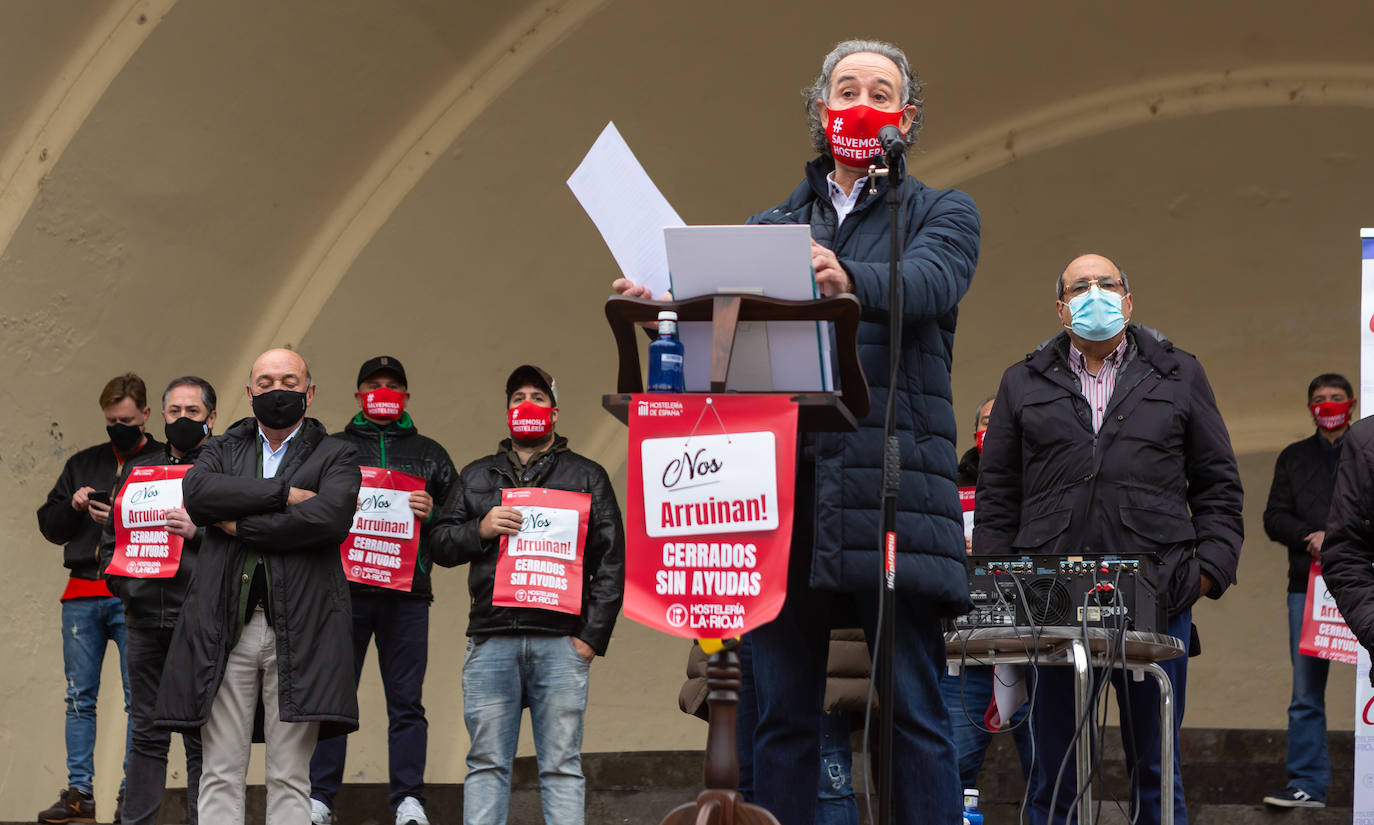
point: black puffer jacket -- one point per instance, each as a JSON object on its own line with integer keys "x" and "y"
{"x": 1159, "y": 477}
{"x": 151, "y": 603}
{"x": 399, "y": 446}
{"x": 939, "y": 254}
{"x": 1348, "y": 552}
{"x": 455, "y": 540}
{"x": 311, "y": 615}
{"x": 1299, "y": 500}
{"x": 94, "y": 467}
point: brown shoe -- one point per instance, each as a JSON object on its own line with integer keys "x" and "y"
{"x": 72, "y": 806}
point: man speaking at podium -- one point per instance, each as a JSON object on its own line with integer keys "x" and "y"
{"x": 835, "y": 563}
{"x": 1107, "y": 439}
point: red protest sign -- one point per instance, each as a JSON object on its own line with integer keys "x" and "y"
{"x": 966, "y": 503}
{"x": 710, "y": 489}
{"x": 541, "y": 566}
{"x": 381, "y": 548}
{"x": 1324, "y": 632}
{"x": 144, "y": 548}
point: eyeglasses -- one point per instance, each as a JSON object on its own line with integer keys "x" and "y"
{"x": 1076, "y": 288}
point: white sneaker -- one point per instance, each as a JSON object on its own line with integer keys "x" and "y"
{"x": 411, "y": 812}
{"x": 320, "y": 813}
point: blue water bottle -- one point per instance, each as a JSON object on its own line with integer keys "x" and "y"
{"x": 665, "y": 356}
{"x": 972, "y": 816}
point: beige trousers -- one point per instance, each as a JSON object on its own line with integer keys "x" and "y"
{"x": 228, "y": 736}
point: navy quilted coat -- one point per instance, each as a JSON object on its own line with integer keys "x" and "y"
{"x": 940, "y": 253}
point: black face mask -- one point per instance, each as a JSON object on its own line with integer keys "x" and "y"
{"x": 279, "y": 409}
{"x": 186, "y": 433}
{"x": 124, "y": 437}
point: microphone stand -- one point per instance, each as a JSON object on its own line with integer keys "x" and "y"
{"x": 895, "y": 159}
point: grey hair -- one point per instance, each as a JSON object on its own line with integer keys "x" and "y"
{"x": 820, "y": 89}
{"x": 1059, "y": 282}
{"x": 978, "y": 410}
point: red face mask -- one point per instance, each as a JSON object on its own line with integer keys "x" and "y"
{"x": 383, "y": 403}
{"x": 978, "y": 440}
{"x": 1331, "y": 415}
{"x": 853, "y": 133}
{"x": 529, "y": 421}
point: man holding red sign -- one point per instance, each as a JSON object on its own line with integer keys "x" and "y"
{"x": 541, "y": 529}
{"x": 387, "y": 562}
{"x": 1295, "y": 516}
{"x": 153, "y": 596}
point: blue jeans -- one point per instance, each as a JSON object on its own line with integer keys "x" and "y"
{"x": 835, "y": 803}
{"x": 87, "y": 625}
{"x": 967, "y": 698}
{"x": 501, "y": 675}
{"x": 1138, "y": 703}
{"x": 1309, "y": 766}
{"x": 401, "y": 626}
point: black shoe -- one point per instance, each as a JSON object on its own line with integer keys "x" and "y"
{"x": 1293, "y": 798}
{"x": 119, "y": 808}
{"x": 72, "y": 806}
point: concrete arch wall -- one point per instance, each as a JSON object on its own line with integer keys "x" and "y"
{"x": 391, "y": 179}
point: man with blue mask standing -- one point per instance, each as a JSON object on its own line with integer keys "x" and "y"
{"x": 1108, "y": 438}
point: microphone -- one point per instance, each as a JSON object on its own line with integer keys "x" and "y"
{"x": 894, "y": 145}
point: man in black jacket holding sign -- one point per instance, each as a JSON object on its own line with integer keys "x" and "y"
{"x": 386, "y": 437}
{"x": 268, "y": 611}
{"x": 529, "y": 655}
{"x": 151, "y": 609}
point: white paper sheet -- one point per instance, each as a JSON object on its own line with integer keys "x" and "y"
{"x": 770, "y": 260}
{"x": 627, "y": 209}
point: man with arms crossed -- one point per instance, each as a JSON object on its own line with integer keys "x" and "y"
{"x": 268, "y": 612}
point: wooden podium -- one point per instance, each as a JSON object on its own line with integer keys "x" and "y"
{"x": 720, "y": 803}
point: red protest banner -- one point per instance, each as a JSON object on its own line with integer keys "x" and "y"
{"x": 385, "y": 539}
{"x": 541, "y": 566}
{"x": 1324, "y": 632}
{"x": 710, "y": 489}
{"x": 966, "y": 502}
{"x": 144, "y": 548}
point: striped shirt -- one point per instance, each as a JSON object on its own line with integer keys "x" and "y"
{"x": 1097, "y": 389}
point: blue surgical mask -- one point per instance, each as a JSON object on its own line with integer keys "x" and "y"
{"x": 1096, "y": 314}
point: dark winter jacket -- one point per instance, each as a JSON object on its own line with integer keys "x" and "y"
{"x": 95, "y": 467}
{"x": 968, "y": 468}
{"x": 151, "y": 603}
{"x": 939, "y": 253}
{"x": 1348, "y": 552}
{"x": 1298, "y": 502}
{"x": 454, "y": 540}
{"x": 311, "y": 615}
{"x": 399, "y": 446}
{"x": 1159, "y": 477}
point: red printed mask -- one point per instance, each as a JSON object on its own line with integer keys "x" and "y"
{"x": 529, "y": 421}
{"x": 853, "y": 133}
{"x": 978, "y": 440}
{"x": 383, "y": 403}
{"x": 1331, "y": 415}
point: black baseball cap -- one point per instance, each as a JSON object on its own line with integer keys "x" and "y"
{"x": 382, "y": 363}
{"x": 531, "y": 376}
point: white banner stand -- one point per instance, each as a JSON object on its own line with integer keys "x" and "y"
{"x": 1364, "y": 694}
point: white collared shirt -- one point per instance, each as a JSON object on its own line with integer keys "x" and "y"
{"x": 271, "y": 459}
{"x": 844, "y": 203}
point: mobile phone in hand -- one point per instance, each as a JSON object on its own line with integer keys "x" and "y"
{"x": 102, "y": 496}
